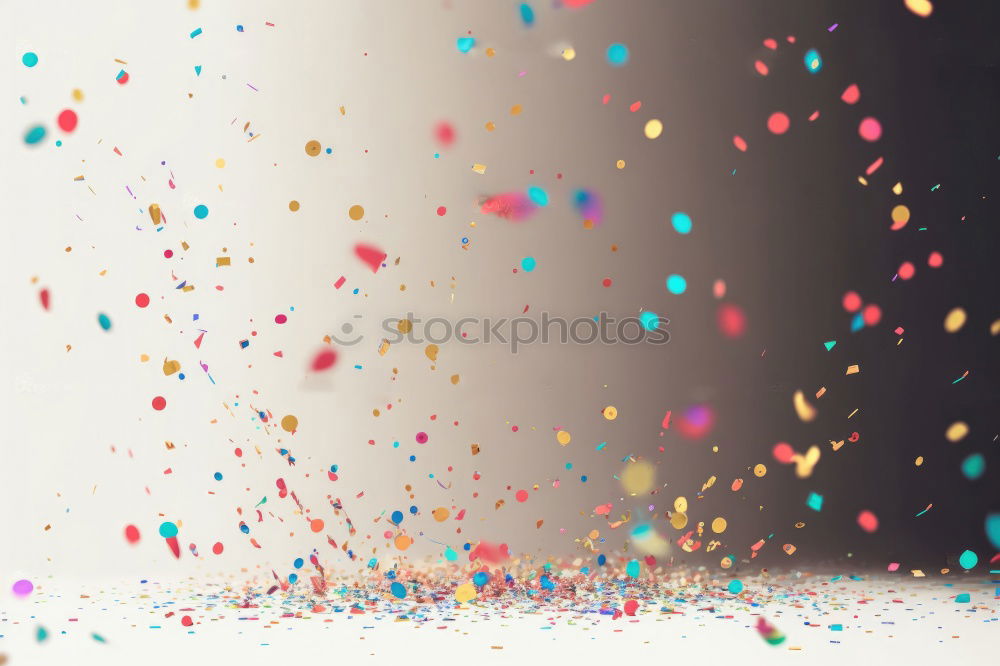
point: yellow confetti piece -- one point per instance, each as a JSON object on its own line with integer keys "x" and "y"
{"x": 719, "y": 525}
{"x": 853, "y": 369}
{"x": 803, "y": 409}
{"x": 955, "y": 320}
{"x": 479, "y": 168}
{"x": 563, "y": 437}
{"x": 956, "y": 432}
{"x": 653, "y": 128}
{"x": 921, "y": 8}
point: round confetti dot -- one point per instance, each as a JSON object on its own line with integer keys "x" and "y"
{"x": 324, "y": 360}
{"x": 289, "y": 423}
{"x": 563, "y": 437}
{"x": 67, "y": 120}
{"x": 954, "y": 320}
{"x": 740, "y": 143}
{"x": 617, "y": 55}
{"x": 538, "y": 196}
{"x": 783, "y": 453}
{"x": 280, "y": 319}
{"x": 34, "y": 135}
{"x": 606, "y": 282}
{"x": 293, "y": 205}
{"x": 653, "y": 128}
{"x": 201, "y": 211}
{"x": 759, "y": 470}
{"x": 168, "y": 530}
{"x": 871, "y": 315}
{"x": 528, "y": 264}
{"x": 464, "y": 44}
{"x": 440, "y": 514}
{"x": 620, "y": 164}
{"x": 122, "y": 78}
{"x": 104, "y": 321}
{"x": 974, "y": 466}
{"x": 906, "y": 270}
{"x": 521, "y": 495}
{"x": 312, "y": 148}
{"x": 968, "y": 559}
{"x": 719, "y": 525}
{"x": 610, "y": 412}
{"x": 356, "y": 212}
{"x": 465, "y": 592}
{"x": 813, "y": 61}
{"x": 220, "y": 163}
{"x": 852, "y": 301}
{"x": 649, "y": 320}
{"x": 316, "y": 524}
{"x": 778, "y": 123}
{"x": 935, "y": 260}
{"x": 868, "y": 521}
{"x": 77, "y": 95}
{"x": 402, "y": 542}
{"x": 29, "y": 59}
{"x": 870, "y": 129}
{"x": 676, "y": 284}
{"x": 142, "y": 300}
{"x": 731, "y": 320}
{"x": 398, "y": 590}
{"x": 900, "y": 216}
{"x": 132, "y": 534}
{"x": 956, "y": 432}
{"x": 159, "y": 403}
{"x": 441, "y": 211}
{"x": 22, "y": 588}
{"x": 681, "y": 223}
{"x": 168, "y": 253}
{"x": 218, "y": 548}
{"x": 217, "y": 476}
{"x": 638, "y": 477}
{"x": 735, "y": 586}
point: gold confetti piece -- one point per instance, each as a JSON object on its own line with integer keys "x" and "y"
{"x": 921, "y": 8}
{"x": 312, "y": 147}
{"x": 143, "y": 358}
{"x": 897, "y": 189}
{"x": 900, "y": 217}
{"x": 678, "y": 520}
{"x": 853, "y": 369}
{"x": 919, "y": 461}
{"x": 862, "y": 180}
{"x": 431, "y": 351}
{"x": 479, "y": 168}
{"x": 563, "y": 437}
{"x": 804, "y": 464}
{"x": 169, "y": 445}
{"x": 653, "y": 128}
{"x": 995, "y": 327}
{"x": 383, "y": 347}
{"x": 171, "y": 367}
{"x": 222, "y": 261}
{"x": 759, "y": 470}
{"x": 821, "y": 392}
{"x": 681, "y": 504}
{"x": 568, "y": 53}
{"x": 455, "y": 379}
{"x": 620, "y": 164}
{"x": 516, "y": 110}
{"x": 789, "y": 549}
{"x": 803, "y": 409}
{"x": 356, "y": 212}
{"x": 154, "y": 213}
{"x": 293, "y": 205}
{"x": 475, "y": 449}
{"x": 917, "y": 573}
{"x": 954, "y": 320}
{"x": 719, "y": 525}
{"x": 956, "y": 432}
{"x": 343, "y": 111}
{"x": 638, "y": 478}
{"x": 610, "y": 412}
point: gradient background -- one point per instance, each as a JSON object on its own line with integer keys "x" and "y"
{"x": 790, "y": 232}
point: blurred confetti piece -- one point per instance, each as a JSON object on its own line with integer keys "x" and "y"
{"x": 922, "y": 8}
{"x": 324, "y": 360}
{"x": 868, "y": 521}
{"x": 370, "y": 255}
{"x": 803, "y": 409}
